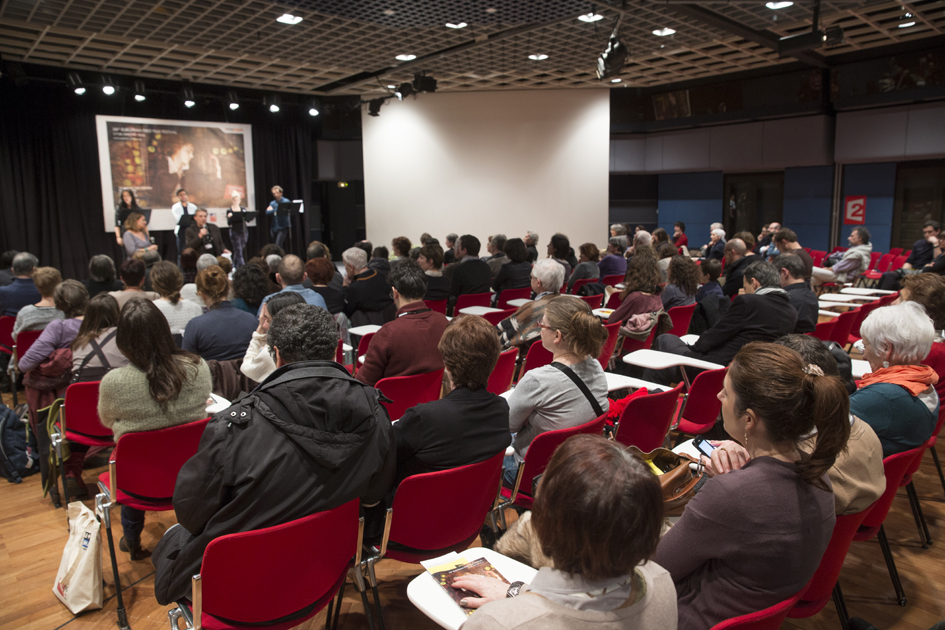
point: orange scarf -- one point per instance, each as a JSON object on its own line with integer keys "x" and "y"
{"x": 915, "y": 378}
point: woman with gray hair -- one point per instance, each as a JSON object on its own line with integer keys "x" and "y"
{"x": 898, "y": 398}
{"x": 521, "y": 328}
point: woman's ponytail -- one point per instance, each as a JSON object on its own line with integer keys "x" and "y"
{"x": 829, "y": 406}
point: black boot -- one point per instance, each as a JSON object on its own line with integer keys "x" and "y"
{"x": 133, "y": 549}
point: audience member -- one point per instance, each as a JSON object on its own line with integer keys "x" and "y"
{"x": 642, "y": 239}
{"x": 258, "y": 362}
{"x": 664, "y": 255}
{"x": 785, "y": 240}
{"x": 71, "y": 299}
{"x": 472, "y": 275}
{"x": 593, "y": 492}
{"x": 586, "y": 268}
{"x": 163, "y": 387}
{"x": 498, "y": 256}
{"x": 924, "y": 252}
{"x": 250, "y": 287}
{"x": 188, "y": 265}
{"x": 36, "y": 316}
{"x": 469, "y": 424}
{"x": 95, "y": 349}
{"x": 136, "y": 236}
{"x": 558, "y": 248}
{"x": 223, "y": 332}
{"x": 640, "y": 296}
{"x": 683, "y": 282}
{"x": 531, "y": 244}
{"x": 449, "y": 254}
{"x": 736, "y": 261}
{"x": 317, "y": 249}
{"x": 167, "y": 280}
{"x": 929, "y": 291}
{"x": 853, "y": 262}
{"x": 102, "y": 276}
{"x": 319, "y": 273}
{"x": 126, "y": 206}
{"x": 614, "y": 262}
{"x": 277, "y": 454}
{"x": 898, "y": 399}
{"x": 763, "y": 246}
{"x": 709, "y": 272}
{"x": 659, "y": 236}
{"x": 150, "y": 258}
{"x": 189, "y": 290}
{"x": 22, "y": 291}
{"x": 205, "y": 237}
{"x": 400, "y": 246}
{"x": 380, "y": 261}
{"x": 408, "y": 344}
{"x": 749, "y": 240}
{"x": 716, "y": 247}
{"x": 764, "y": 313}
{"x": 754, "y": 536}
{"x": 680, "y": 239}
{"x": 516, "y": 273}
{"x": 791, "y": 270}
{"x": 224, "y": 263}
{"x": 431, "y": 261}
{"x": 290, "y": 274}
{"x": 551, "y": 397}
{"x": 6, "y": 261}
{"x": 521, "y": 328}
{"x": 367, "y": 295}
{"x": 132, "y": 273}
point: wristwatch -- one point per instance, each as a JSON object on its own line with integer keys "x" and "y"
{"x": 514, "y": 589}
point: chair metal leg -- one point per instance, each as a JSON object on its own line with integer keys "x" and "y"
{"x": 362, "y": 588}
{"x": 891, "y": 566}
{"x": 938, "y": 467}
{"x": 56, "y": 442}
{"x": 102, "y": 507}
{"x": 334, "y": 622}
{"x": 924, "y": 536}
{"x": 372, "y": 579}
{"x": 841, "y": 606}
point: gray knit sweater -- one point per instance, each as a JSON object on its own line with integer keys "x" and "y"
{"x": 126, "y": 406}
{"x": 34, "y": 317}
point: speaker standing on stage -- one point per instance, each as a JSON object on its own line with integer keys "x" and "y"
{"x": 279, "y": 227}
{"x": 183, "y": 212}
{"x": 239, "y": 232}
{"x": 127, "y": 205}
{"x": 204, "y": 237}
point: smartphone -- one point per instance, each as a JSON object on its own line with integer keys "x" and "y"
{"x": 703, "y": 446}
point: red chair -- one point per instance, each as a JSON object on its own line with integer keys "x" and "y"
{"x": 495, "y": 318}
{"x": 536, "y": 460}
{"x": 149, "y": 463}
{"x": 251, "y": 579}
{"x": 472, "y": 299}
{"x": 895, "y": 468}
{"x": 79, "y": 423}
{"x": 512, "y": 294}
{"x": 887, "y": 299}
{"x": 632, "y": 345}
{"x": 580, "y": 283}
{"x": 864, "y": 311}
{"x": 536, "y": 357}
{"x": 436, "y": 305}
{"x": 24, "y": 340}
{"x": 614, "y": 300}
{"x": 767, "y": 619}
{"x": 702, "y": 406}
{"x": 681, "y": 316}
{"x": 340, "y": 353}
{"x": 645, "y": 420}
{"x": 6, "y": 334}
{"x": 898, "y": 262}
{"x": 613, "y": 336}
{"x": 594, "y": 301}
{"x": 817, "y": 257}
{"x": 874, "y": 258}
{"x": 895, "y": 251}
{"x": 363, "y": 346}
{"x": 824, "y": 330}
{"x": 409, "y": 391}
{"x": 612, "y": 281}
{"x": 501, "y": 378}
{"x": 842, "y": 327}
{"x": 419, "y": 529}
{"x": 885, "y": 260}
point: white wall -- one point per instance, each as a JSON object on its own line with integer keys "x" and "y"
{"x": 895, "y": 133}
{"x": 489, "y": 162}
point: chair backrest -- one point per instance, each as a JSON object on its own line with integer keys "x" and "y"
{"x": 874, "y": 257}
{"x": 580, "y": 283}
{"x": 147, "y": 463}
{"x": 6, "y": 330}
{"x": 472, "y": 299}
{"x": 885, "y": 260}
{"x": 842, "y": 327}
{"x": 681, "y": 316}
{"x": 612, "y": 280}
{"x": 463, "y": 497}
{"x": 632, "y": 345}
{"x": 501, "y": 378}
{"x": 645, "y": 420}
{"x": 263, "y": 575}
{"x": 24, "y": 340}
{"x": 613, "y": 334}
{"x": 339, "y": 352}
{"x": 436, "y": 305}
{"x": 536, "y": 357}
{"x": 824, "y": 330}
{"x": 897, "y": 263}
{"x": 363, "y": 346}
{"x": 544, "y": 445}
{"x": 498, "y": 316}
{"x": 703, "y": 405}
{"x": 594, "y": 301}
{"x": 614, "y": 300}
{"x": 409, "y": 391}
{"x": 887, "y": 299}
{"x": 767, "y": 619}
{"x": 895, "y": 468}
{"x": 81, "y": 411}
{"x": 863, "y": 311}
{"x": 512, "y": 294}
{"x": 895, "y": 251}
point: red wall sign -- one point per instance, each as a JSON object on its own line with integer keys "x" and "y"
{"x": 854, "y": 211}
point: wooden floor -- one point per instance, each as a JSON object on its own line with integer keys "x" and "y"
{"x": 32, "y": 535}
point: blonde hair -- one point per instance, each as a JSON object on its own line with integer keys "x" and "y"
{"x": 213, "y": 283}
{"x": 46, "y": 280}
{"x": 582, "y": 331}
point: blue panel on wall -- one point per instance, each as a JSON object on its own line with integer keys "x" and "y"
{"x": 807, "y": 201}
{"x": 693, "y": 198}
{"x": 878, "y": 183}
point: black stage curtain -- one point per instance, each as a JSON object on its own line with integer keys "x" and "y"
{"x": 50, "y": 188}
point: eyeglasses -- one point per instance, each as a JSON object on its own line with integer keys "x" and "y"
{"x": 542, "y": 324}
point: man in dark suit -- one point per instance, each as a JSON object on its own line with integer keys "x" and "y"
{"x": 22, "y": 291}
{"x": 764, "y": 314}
{"x": 205, "y": 237}
{"x": 367, "y": 294}
{"x": 469, "y": 424}
{"x": 472, "y": 274}
{"x": 736, "y": 261}
{"x": 791, "y": 270}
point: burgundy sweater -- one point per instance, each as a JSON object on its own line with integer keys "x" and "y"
{"x": 407, "y": 345}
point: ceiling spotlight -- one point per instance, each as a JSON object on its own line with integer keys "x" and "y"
{"x": 75, "y": 82}
{"x": 288, "y": 18}
{"x": 457, "y": 25}
{"x": 908, "y": 23}
{"x": 139, "y": 90}
{"x": 188, "y": 96}
{"x": 272, "y": 102}
{"x": 313, "y": 107}
{"x": 618, "y": 80}
{"x": 312, "y": 111}
{"x": 613, "y": 59}
{"x": 391, "y": 86}
{"x": 423, "y": 83}
{"x": 232, "y": 100}
{"x": 590, "y": 17}
{"x": 405, "y": 57}
{"x": 663, "y": 32}
{"x": 108, "y": 87}
{"x": 404, "y": 89}
{"x": 538, "y": 57}
{"x": 374, "y": 107}
{"x": 778, "y": 5}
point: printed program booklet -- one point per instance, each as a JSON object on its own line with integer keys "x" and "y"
{"x": 447, "y": 568}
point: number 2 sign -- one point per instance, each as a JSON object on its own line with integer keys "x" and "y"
{"x": 854, "y": 211}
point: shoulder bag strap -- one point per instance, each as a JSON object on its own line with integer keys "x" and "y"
{"x": 581, "y": 386}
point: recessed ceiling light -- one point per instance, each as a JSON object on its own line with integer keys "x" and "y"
{"x": 405, "y": 57}
{"x": 616, "y": 80}
{"x": 312, "y": 111}
{"x": 288, "y": 18}
{"x": 492, "y": 10}
{"x": 906, "y": 24}
{"x": 663, "y": 32}
{"x": 388, "y": 12}
{"x": 189, "y": 103}
{"x": 234, "y": 106}
{"x": 140, "y": 97}
{"x": 590, "y": 17}
{"x": 110, "y": 89}
{"x": 778, "y": 5}
{"x": 538, "y": 57}
{"x": 457, "y": 25}
{"x": 391, "y": 86}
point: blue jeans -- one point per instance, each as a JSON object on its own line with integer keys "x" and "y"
{"x": 509, "y": 471}
{"x": 132, "y": 524}
{"x": 281, "y": 236}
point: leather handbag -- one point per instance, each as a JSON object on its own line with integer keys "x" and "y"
{"x": 677, "y": 480}
{"x": 52, "y": 374}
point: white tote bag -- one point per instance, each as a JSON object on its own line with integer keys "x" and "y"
{"x": 79, "y": 581}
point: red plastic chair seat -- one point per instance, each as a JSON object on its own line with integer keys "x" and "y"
{"x": 409, "y": 391}
{"x": 162, "y": 504}
{"x": 767, "y": 619}
{"x": 614, "y": 300}
{"x": 6, "y": 334}
{"x": 502, "y": 373}
{"x": 80, "y": 410}
{"x": 512, "y": 294}
{"x": 536, "y": 357}
{"x": 645, "y": 420}
{"x": 472, "y": 299}
{"x": 607, "y": 351}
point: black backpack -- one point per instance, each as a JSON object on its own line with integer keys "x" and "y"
{"x": 18, "y": 453}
